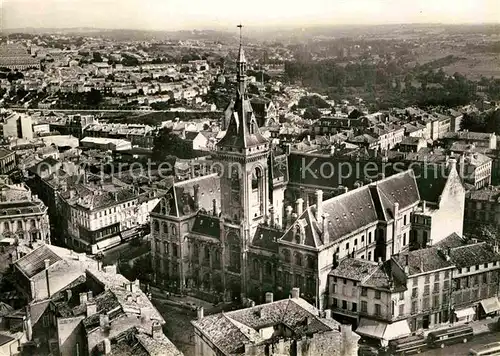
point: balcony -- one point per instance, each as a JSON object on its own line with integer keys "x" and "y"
{"x": 344, "y": 311}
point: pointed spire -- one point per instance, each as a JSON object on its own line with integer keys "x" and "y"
{"x": 241, "y": 53}
{"x": 242, "y": 67}
{"x": 242, "y": 130}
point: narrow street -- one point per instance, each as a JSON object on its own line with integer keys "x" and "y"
{"x": 112, "y": 255}
{"x": 463, "y": 349}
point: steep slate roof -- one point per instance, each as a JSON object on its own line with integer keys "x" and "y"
{"x": 423, "y": 261}
{"x": 451, "y": 241}
{"x": 431, "y": 182}
{"x": 266, "y": 238}
{"x": 354, "y": 268}
{"x": 206, "y": 225}
{"x": 180, "y": 197}
{"x": 230, "y": 331}
{"x": 471, "y": 255}
{"x": 400, "y": 188}
{"x": 357, "y": 208}
{"x": 34, "y": 263}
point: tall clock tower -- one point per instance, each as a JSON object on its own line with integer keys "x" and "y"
{"x": 243, "y": 154}
{"x": 243, "y": 158}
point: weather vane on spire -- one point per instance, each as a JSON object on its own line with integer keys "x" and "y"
{"x": 240, "y": 26}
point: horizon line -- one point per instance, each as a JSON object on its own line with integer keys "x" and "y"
{"x": 284, "y": 26}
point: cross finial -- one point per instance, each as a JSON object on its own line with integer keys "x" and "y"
{"x": 240, "y": 26}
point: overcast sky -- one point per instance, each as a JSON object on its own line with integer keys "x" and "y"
{"x": 206, "y": 14}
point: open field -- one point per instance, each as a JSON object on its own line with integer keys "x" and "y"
{"x": 476, "y": 65}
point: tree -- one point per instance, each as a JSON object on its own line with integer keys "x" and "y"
{"x": 312, "y": 113}
{"x": 94, "y": 97}
{"x": 472, "y": 122}
{"x": 96, "y": 57}
{"x": 169, "y": 144}
{"x": 355, "y": 114}
{"x": 312, "y": 101}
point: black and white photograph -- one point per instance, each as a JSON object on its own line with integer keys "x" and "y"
{"x": 249, "y": 178}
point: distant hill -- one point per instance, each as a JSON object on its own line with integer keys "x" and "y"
{"x": 130, "y": 34}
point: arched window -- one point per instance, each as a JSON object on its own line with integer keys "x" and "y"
{"x": 298, "y": 259}
{"x": 311, "y": 263}
{"x": 156, "y": 225}
{"x": 207, "y": 254}
{"x": 165, "y": 228}
{"x": 268, "y": 269}
{"x": 286, "y": 255}
{"x": 19, "y": 225}
{"x": 256, "y": 267}
{"x": 195, "y": 252}
{"x": 173, "y": 228}
{"x": 6, "y": 226}
{"x": 256, "y": 178}
{"x": 252, "y": 127}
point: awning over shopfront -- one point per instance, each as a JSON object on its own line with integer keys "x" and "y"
{"x": 490, "y": 305}
{"x": 462, "y": 313}
{"x": 380, "y": 330}
{"x": 112, "y": 241}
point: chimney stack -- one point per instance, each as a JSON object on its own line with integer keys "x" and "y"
{"x": 324, "y": 223}
{"x": 47, "y": 265}
{"x": 106, "y": 346}
{"x": 269, "y": 297}
{"x": 135, "y": 286}
{"x": 200, "y": 313}
{"x": 83, "y": 298}
{"x": 328, "y": 314}
{"x": 214, "y": 207}
{"x": 379, "y": 261}
{"x": 319, "y": 204}
{"x": 103, "y": 320}
{"x": 288, "y": 211}
{"x": 156, "y": 331}
{"x": 91, "y": 308}
{"x": 295, "y": 293}
{"x": 110, "y": 269}
{"x": 396, "y": 210}
{"x": 196, "y": 196}
{"x": 271, "y": 217}
{"x": 299, "y": 206}
{"x": 28, "y": 329}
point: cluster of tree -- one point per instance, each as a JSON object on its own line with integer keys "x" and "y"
{"x": 91, "y": 99}
{"x": 10, "y": 75}
{"x": 312, "y": 101}
{"x": 312, "y": 113}
{"x": 439, "y": 63}
{"x": 483, "y": 231}
{"x": 96, "y": 57}
{"x": 167, "y": 143}
{"x": 328, "y": 73}
{"x": 488, "y": 121}
{"x": 129, "y": 61}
